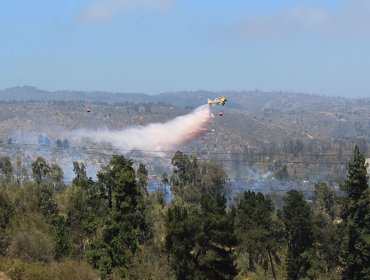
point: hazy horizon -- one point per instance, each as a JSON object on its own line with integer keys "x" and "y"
{"x": 178, "y": 91}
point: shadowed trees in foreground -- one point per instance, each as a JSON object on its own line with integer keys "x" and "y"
{"x": 115, "y": 228}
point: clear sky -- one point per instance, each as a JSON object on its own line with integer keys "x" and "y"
{"x": 153, "y": 46}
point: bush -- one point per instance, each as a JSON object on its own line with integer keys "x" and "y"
{"x": 18, "y": 269}
{"x": 73, "y": 270}
{"x": 31, "y": 246}
{"x": 31, "y": 239}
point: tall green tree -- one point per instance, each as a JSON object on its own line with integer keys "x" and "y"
{"x": 125, "y": 224}
{"x": 327, "y": 234}
{"x": 254, "y": 229}
{"x": 6, "y": 168}
{"x": 324, "y": 199}
{"x": 186, "y": 180}
{"x": 40, "y": 170}
{"x": 327, "y": 241}
{"x": 213, "y": 251}
{"x": 300, "y": 259}
{"x": 200, "y": 237}
{"x": 356, "y": 218}
{"x": 56, "y": 175}
{"x": 180, "y": 241}
{"x": 142, "y": 176}
{"x": 81, "y": 178}
{"x": 213, "y": 179}
{"x": 77, "y": 218}
{"x": 6, "y": 213}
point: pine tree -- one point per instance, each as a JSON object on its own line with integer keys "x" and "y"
{"x": 254, "y": 228}
{"x": 298, "y": 227}
{"x": 356, "y": 218}
{"x": 327, "y": 234}
{"x": 180, "y": 241}
{"x": 213, "y": 251}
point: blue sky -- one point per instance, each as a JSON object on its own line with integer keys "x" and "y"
{"x": 153, "y": 46}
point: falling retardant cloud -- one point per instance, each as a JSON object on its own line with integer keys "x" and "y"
{"x": 157, "y": 137}
{"x": 104, "y": 10}
{"x": 352, "y": 18}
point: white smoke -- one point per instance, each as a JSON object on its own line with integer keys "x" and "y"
{"x": 158, "y": 137}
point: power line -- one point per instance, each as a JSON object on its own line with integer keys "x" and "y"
{"x": 84, "y": 150}
{"x": 17, "y": 145}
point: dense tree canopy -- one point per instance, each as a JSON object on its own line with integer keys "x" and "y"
{"x": 200, "y": 230}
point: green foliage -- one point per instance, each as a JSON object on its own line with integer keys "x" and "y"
{"x": 200, "y": 244}
{"x": 40, "y": 170}
{"x": 81, "y": 178}
{"x": 150, "y": 263}
{"x": 186, "y": 170}
{"x": 150, "y": 260}
{"x": 37, "y": 198}
{"x": 297, "y": 217}
{"x": 324, "y": 199}
{"x": 31, "y": 238}
{"x": 356, "y": 218}
{"x": 18, "y": 269}
{"x": 6, "y": 168}
{"x": 6, "y": 214}
{"x": 80, "y": 222}
{"x": 185, "y": 180}
{"x": 127, "y": 233}
{"x": 56, "y": 175}
{"x": 6, "y": 209}
{"x": 72, "y": 270}
{"x": 213, "y": 251}
{"x": 125, "y": 226}
{"x": 253, "y": 226}
{"x": 327, "y": 237}
{"x": 200, "y": 236}
{"x": 142, "y": 174}
{"x": 213, "y": 179}
{"x": 180, "y": 241}
{"x": 61, "y": 238}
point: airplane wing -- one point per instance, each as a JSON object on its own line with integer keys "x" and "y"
{"x": 218, "y": 101}
{"x": 223, "y": 100}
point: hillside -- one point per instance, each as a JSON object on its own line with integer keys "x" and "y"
{"x": 261, "y": 129}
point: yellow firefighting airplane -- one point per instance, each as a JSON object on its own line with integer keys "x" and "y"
{"x": 218, "y": 101}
